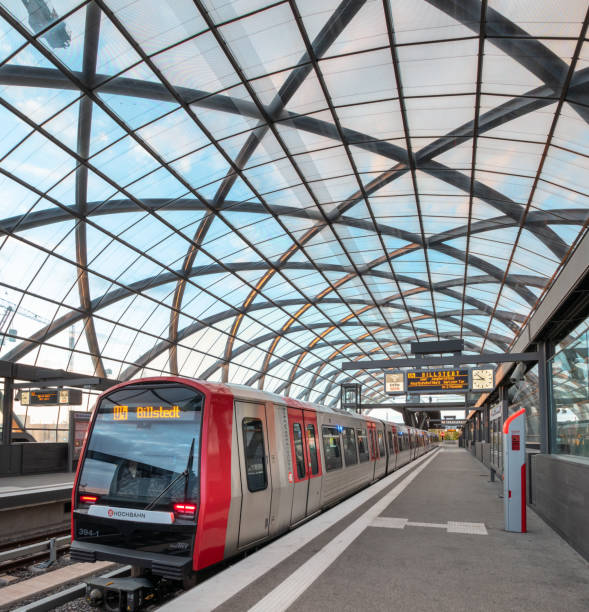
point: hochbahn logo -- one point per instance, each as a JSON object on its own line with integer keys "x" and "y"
{"x": 126, "y": 514}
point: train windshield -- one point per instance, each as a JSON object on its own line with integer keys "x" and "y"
{"x": 141, "y": 442}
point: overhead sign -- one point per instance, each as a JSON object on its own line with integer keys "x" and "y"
{"x": 419, "y": 382}
{"x": 437, "y": 381}
{"x": 51, "y": 397}
{"x": 454, "y": 423}
{"x": 394, "y": 382}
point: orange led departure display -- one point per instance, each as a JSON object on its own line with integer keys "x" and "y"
{"x": 121, "y": 413}
{"x": 434, "y": 381}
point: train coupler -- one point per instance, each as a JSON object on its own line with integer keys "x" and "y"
{"x": 121, "y": 594}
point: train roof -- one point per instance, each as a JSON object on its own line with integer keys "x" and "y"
{"x": 249, "y": 394}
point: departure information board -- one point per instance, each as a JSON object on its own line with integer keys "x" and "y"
{"x": 51, "y": 397}
{"x": 437, "y": 381}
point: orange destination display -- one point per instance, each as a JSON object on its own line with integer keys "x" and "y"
{"x": 121, "y": 413}
{"x": 436, "y": 381}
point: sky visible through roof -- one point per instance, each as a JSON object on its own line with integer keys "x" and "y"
{"x": 256, "y": 192}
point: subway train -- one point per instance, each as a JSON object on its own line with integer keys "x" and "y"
{"x": 178, "y": 474}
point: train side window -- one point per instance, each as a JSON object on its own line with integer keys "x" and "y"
{"x": 332, "y": 448}
{"x": 400, "y": 437}
{"x": 391, "y": 443}
{"x": 350, "y": 450}
{"x": 311, "y": 441}
{"x": 363, "y": 445}
{"x": 381, "y": 449}
{"x": 255, "y": 455}
{"x": 299, "y": 452}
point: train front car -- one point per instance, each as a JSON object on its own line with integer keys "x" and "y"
{"x": 141, "y": 483}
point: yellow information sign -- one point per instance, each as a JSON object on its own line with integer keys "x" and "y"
{"x": 436, "y": 381}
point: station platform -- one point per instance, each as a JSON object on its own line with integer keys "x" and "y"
{"x": 427, "y": 537}
{"x": 34, "y": 506}
{"x": 18, "y": 491}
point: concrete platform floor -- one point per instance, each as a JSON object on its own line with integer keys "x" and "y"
{"x": 429, "y": 537}
{"x": 18, "y": 484}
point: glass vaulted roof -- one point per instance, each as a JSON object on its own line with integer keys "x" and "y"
{"x": 255, "y": 192}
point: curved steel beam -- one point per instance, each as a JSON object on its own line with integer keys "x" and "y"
{"x": 337, "y": 22}
{"x": 40, "y": 218}
{"x": 270, "y": 115}
{"x": 498, "y": 340}
{"x": 121, "y": 293}
{"x": 513, "y": 41}
{"x": 540, "y": 97}
{"x": 191, "y": 329}
{"x": 90, "y": 55}
{"x": 501, "y": 341}
{"x": 506, "y": 112}
{"x": 339, "y": 354}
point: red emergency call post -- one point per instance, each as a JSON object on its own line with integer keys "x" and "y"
{"x": 514, "y": 482}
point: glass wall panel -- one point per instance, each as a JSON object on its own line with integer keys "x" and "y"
{"x": 570, "y": 395}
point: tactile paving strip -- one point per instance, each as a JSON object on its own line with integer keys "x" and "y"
{"x": 471, "y": 528}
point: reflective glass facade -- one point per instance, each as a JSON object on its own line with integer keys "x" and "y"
{"x": 257, "y": 191}
{"x": 570, "y": 395}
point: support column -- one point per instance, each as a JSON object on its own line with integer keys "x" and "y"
{"x": 7, "y": 402}
{"x": 544, "y": 394}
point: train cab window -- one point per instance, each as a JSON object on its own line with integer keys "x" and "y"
{"x": 312, "y": 443}
{"x": 362, "y": 445}
{"x": 350, "y": 450}
{"x": 298, "y": 447}
{"x": 255, "y": 455}
{"x": 137, "y": 453}
{"x": 381, "y": 449}
{"x": 332, "y": 448}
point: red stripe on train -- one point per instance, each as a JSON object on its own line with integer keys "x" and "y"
{"x": 215, "y": 470}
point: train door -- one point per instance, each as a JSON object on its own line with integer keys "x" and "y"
{"x": 300, "y": 476}
{"x": 252, "y": 438}
{"x": 372, "y": 445}
{"x": 392, "y": 441}
{"x": 313, "y": 461}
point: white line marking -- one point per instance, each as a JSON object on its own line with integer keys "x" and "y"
{"x": 221, "y": 587}
{"x": 389, "y": 523}
{"x": 286, "y": 593}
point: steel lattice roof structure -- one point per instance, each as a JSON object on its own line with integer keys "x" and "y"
{"x": 255, "y": 191}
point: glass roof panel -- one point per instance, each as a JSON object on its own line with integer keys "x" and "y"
{"x": 365, "y": 77}
{"x": 327, "y": 195}
{"x": 265, "y": 41}
{"x": 177, "y": 20}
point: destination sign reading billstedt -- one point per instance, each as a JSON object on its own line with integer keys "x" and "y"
{"x": 427, "y": 381}
{"x": 424, "y": 381}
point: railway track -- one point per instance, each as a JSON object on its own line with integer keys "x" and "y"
{"x": 33, "y": 550}
{"x": 67, "y": 594}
